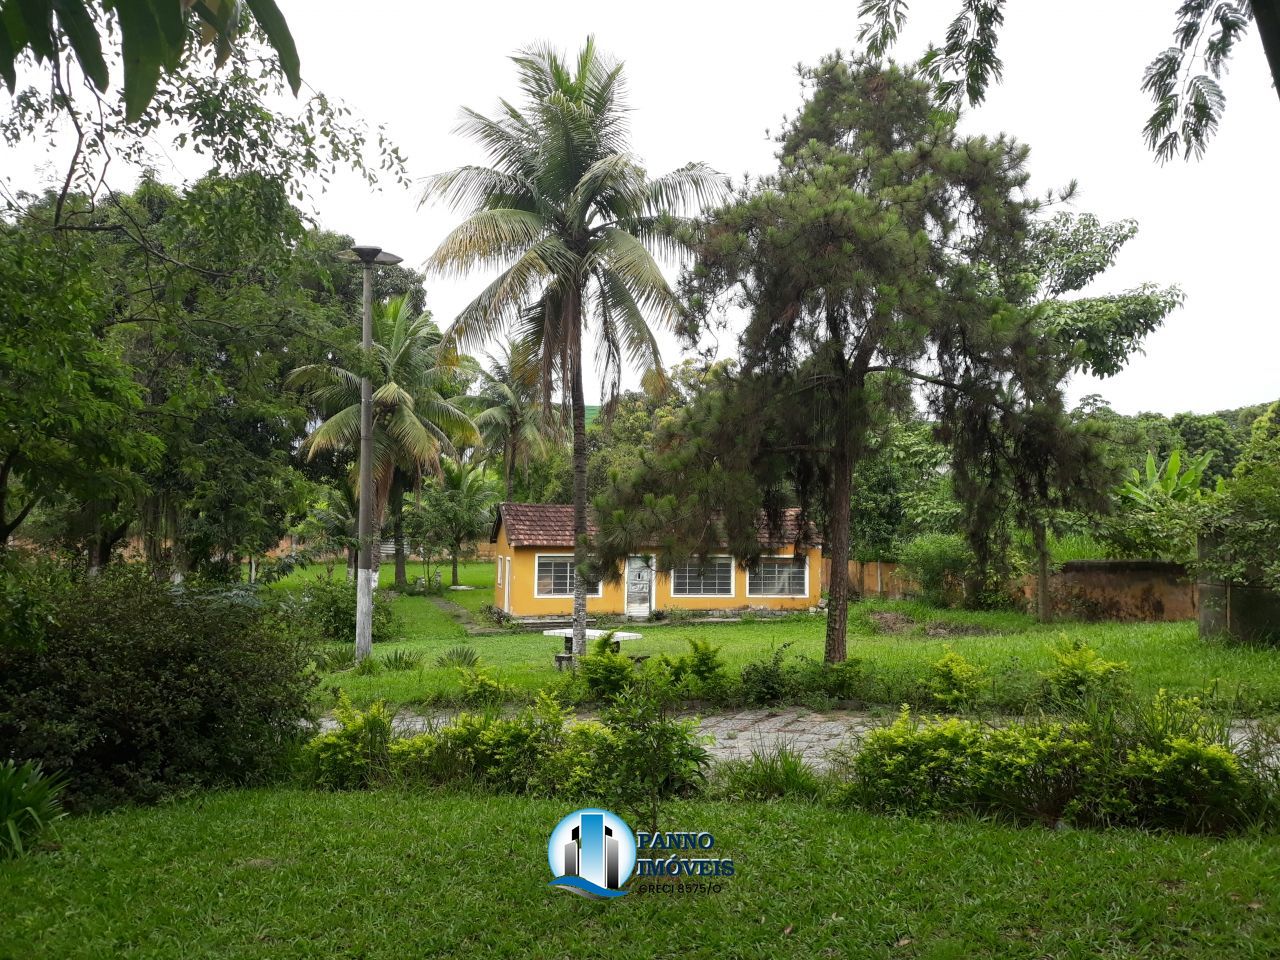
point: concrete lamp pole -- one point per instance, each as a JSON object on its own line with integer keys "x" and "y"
{"x": 368, "y": 257}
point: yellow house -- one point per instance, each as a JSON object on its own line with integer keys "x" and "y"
{"x": 535, "y": 576}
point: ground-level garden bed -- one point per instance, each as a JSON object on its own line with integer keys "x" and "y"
{"x": 291, "y": 873}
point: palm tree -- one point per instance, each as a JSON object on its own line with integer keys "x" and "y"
{"x": 414, "y": 421}
{"x": 468, "y": 494}
{"x": 514, "y": 421}
{"x": 570, "y": 218}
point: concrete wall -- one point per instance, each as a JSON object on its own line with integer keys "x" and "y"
{"x": 1141, "y": 590}
{"x": 1081, "y": 590}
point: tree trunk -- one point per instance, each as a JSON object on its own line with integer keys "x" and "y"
{"x": 102, "y": 547}
{"x": 507, "y": 464}
{"x": 578, "y": 409}
{"x": 453, "y": 555}
{"x": 397, "y": 528}
{"x": 836, "y": 649}
{"x": 1043, "y": 611}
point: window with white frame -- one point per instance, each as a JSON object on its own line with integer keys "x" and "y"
{"x": 500, "y": 571}
{"x": 556, "y": 577}
{"x": 712, "y": 577}
{"x": 778, "y": 577}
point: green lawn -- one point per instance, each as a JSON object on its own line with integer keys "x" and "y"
{"x": 1166, "y": 655}
{"x": 288, "y": 873}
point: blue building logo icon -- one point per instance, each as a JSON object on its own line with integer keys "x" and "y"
{"x": 592, "y": 852}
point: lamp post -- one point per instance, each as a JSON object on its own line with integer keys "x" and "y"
{"x": 368, "y": 257}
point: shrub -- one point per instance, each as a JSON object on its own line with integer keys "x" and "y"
{"x": 1185, "y": 785}
{"x": 953, "y": 680}
{"x": 336, "y": 659}
{"x": 1079, "y": 672}
{"x": 606, "y": 673}
{"x": 29, "y": 804}
{"x": 141, "y": 689}
{"x": 31, "y": 590}
{"x": 648, "y": 755}
{"x": 1146, "y": 765}
{"x": 459, "y": 656}
{"x": 937, "y": 562}
{"x": 767, "y": 681}
{"x": 768, "y": 775}
{"x": 846, "y": 680}
{"x": 577, "y": 766}
{"x": 328, "y": 611}
{"x": 952, "y": 765}
{"x": 700, "y": 672}
{"x": 354, "y": 755}
{"x": 480, "y": 689}
{"x": 399, "y": 660}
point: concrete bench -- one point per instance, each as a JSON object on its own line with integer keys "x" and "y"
{"x": 565, "y": 659}
{"x": 592, "y": 635}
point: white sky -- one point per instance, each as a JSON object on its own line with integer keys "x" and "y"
{"x": 707, "y": 80}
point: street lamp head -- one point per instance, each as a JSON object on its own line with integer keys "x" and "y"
{"x": 369, "y": 256}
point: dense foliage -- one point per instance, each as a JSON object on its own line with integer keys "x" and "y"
{"x": 136, "y": 690}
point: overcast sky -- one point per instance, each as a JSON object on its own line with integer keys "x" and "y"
{"x": 707, "y": 80}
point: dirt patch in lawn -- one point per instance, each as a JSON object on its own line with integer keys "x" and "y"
{"x": 887, "y": 621}
{"x": 898, "y": 624}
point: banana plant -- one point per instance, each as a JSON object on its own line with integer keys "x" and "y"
{"x": 1168, "y": 481}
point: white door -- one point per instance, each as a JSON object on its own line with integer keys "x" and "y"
{"x": 639, "y": 587}
{"x": 506, "y": 586}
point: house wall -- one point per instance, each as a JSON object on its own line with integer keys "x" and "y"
{"x": 525, "y": 602}
{"x": 663, "y": 599}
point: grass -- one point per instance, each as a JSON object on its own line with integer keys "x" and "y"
{"x": 286, "y": 873}
{"x": 1161, "y": 655}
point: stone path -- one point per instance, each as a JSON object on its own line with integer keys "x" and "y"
{"x": 811, "y": 733}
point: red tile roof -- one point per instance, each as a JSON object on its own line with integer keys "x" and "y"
{"x": 551, "y": 525}
{"x": 538, "y": 524}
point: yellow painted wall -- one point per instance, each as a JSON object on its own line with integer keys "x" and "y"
{"x": 525, "y": 602}
{"x": 663, "y": 600}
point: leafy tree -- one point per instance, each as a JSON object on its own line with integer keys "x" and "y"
{"x": 849, "y": 261}
{"x": 1208, "y": 434}
{"x": 1241, "y": 521}
{"x": 210, "y": 77}
{"x": 1182, "y": 79}
{"x": 1019, "y": 458}
{"x": 153, "y": 36}
{"x": 67, "y": 397}
{"x": 900, "y": 490}
{"x": 569, "y": 217}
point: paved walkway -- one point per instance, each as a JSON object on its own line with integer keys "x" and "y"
{"x": 811, "y": 733}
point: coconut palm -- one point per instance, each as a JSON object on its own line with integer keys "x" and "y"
{"x": 514, "y": 421}
{"x": 571, "y": 220}
{"x": 413, "y": 420}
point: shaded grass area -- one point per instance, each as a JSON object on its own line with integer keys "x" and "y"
{"x": 287, "y": 873}
{"x": 1013, "y": 648}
